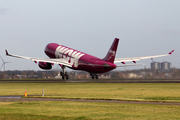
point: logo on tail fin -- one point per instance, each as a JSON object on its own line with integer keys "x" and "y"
{"x": 112, "y": 52}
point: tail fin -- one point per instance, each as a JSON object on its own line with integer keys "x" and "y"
{"x": 112, "y": 51}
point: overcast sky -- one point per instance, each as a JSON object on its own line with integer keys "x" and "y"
{"x": 145, "y": 27}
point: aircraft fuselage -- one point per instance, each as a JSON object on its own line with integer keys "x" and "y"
{"x": 79, "y": 60}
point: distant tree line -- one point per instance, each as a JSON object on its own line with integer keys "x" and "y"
{"x": 173, "y": 73}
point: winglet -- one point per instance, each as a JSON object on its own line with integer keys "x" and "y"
{"x": 171, "y": 52}
{"x": 7, "y": 52}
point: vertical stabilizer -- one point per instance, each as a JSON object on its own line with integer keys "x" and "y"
{"x": 112, "y": 51}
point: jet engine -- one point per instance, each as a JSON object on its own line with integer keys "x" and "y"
{"x": 45, "y": 65}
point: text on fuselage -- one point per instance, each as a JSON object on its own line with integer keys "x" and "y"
{"x": 70, "y": 55}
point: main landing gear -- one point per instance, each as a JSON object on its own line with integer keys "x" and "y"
{"x": 94, "y": 76}
{"x": 63, "y": 73}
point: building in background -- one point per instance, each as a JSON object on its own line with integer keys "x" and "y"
{"x": 156, "y": 66}
{"x": 163, "y": 66}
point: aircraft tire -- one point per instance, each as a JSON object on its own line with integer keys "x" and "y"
{"x": 61, "y": 73}
{"x": 67, "y": 77}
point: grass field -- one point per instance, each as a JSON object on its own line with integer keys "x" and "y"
{"x": 166, "y": 92}
{"x": 169, "y": 92}
{"x": 86, "y": 111}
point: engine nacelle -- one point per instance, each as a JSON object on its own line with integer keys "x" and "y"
{"x": 45, "y": 65}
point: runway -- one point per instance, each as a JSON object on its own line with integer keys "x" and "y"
{"x": 90, "y": 81}
{"x": 19, "y": 99}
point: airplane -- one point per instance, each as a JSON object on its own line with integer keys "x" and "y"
{"x": 76, "y": 60}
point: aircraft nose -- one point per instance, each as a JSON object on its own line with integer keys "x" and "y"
{"x": 50, "y": 49}
{"x": 52, "y": 46}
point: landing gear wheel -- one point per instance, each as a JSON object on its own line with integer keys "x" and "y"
{"x": 67, "y": 77}
{"x": 94, "y": 76}
{"x": 97, "y": 77}
{"x": 61, "y": 73}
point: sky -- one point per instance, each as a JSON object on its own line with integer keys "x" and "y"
{"x": 144, "y": 27}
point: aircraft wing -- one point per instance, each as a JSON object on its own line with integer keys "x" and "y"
{"x": 134, "y": 59}
{"x": 56, "y": 61}
{"x": 129, "y": 65}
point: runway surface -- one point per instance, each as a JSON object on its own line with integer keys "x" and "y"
{"x": 19, "y": 99}
{"x": 88, "y": 81}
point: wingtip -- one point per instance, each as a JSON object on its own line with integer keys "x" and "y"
{"x": 171, "y": 52}
{"x": 7, "y": 52}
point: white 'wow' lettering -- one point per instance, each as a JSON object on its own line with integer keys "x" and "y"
{"x": 70, "y": 55}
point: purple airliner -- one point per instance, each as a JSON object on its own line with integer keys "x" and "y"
{"x": 76, "y": 60}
